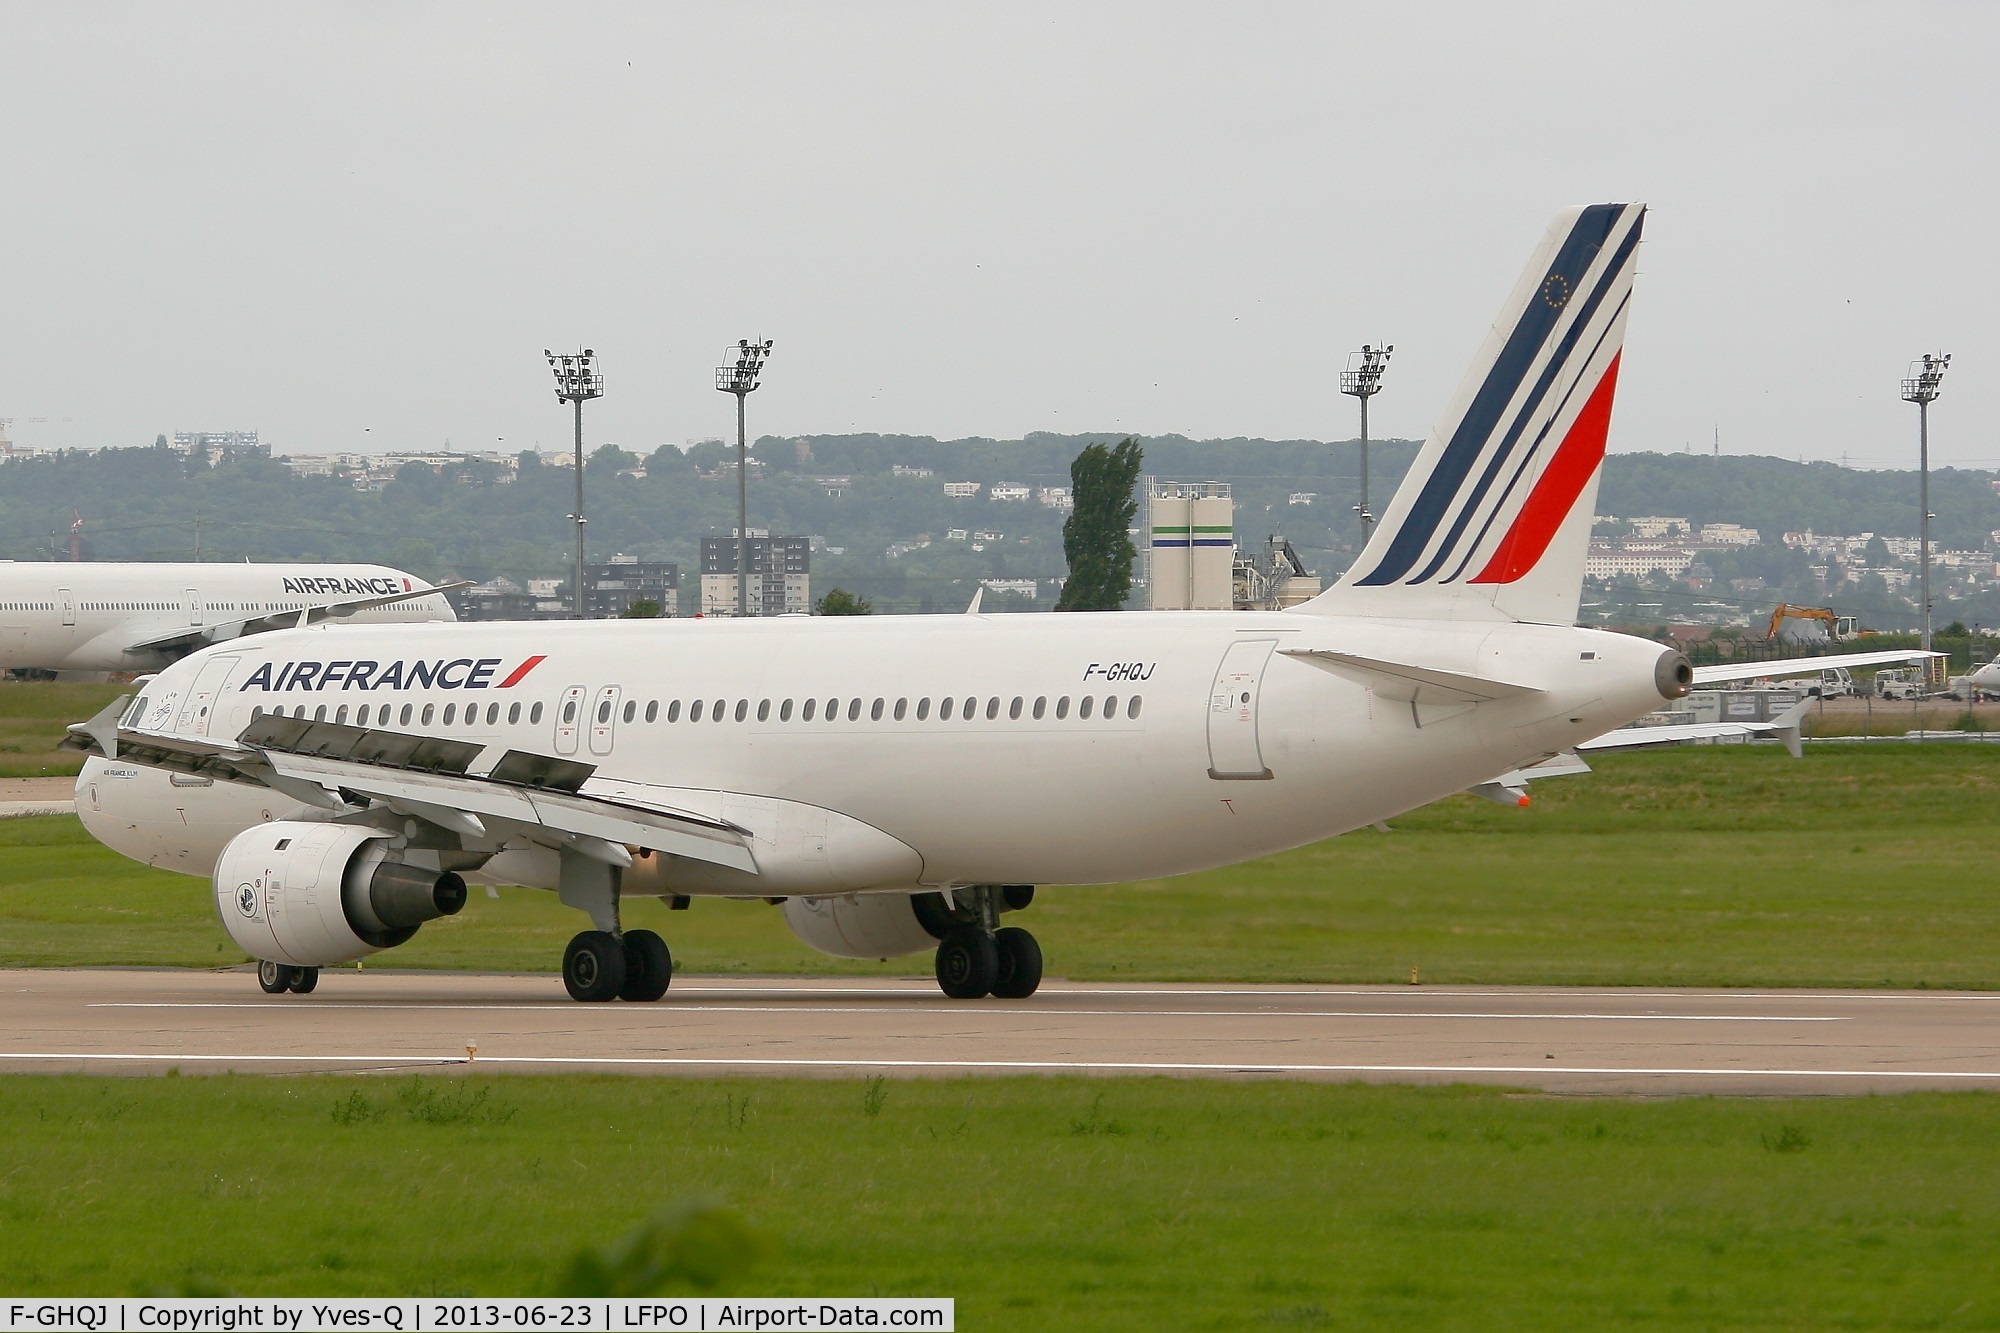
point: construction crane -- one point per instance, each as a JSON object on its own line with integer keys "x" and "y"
{"x": 1839, "y": 628}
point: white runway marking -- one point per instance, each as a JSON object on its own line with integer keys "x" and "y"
{"x": 956, "y": 1010}
{"x": 1025, "y": 1066}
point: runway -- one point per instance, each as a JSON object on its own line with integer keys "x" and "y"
{"x": 1560, "y": 1040}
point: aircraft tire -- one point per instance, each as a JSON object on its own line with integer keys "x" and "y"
{"x": 275, "y": 978}
{"x": 1020, "y": 964}
{"x": 968, "y": 963}
{"x": 649, "y": 968}
{"x": 304, "y": 979}
{"x": 594, "y": 967}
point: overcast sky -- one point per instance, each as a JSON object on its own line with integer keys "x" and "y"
{"x": 356, "y": 226}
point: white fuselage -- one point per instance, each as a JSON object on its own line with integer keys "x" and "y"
{"x": 87, "y": 616}
{"x": 1208, "y": 738}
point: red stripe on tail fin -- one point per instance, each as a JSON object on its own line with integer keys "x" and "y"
{"x": 1578, "y": 459}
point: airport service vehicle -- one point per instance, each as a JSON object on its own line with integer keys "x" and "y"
{"x": 103, "y": 616}
{"x": 1900, "y": 683}
{"x": 895, "y": 784}
{"x": 1837, "y": 683}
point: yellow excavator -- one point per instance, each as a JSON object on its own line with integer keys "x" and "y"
{"x": 1839, "y": 628}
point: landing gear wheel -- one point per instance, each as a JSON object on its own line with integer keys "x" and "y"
{"x": 275, "y": 978}
{"x": 594, "y": 967}
{"x": 1020, "y": 964}
{"x": 967, "y": 964}
{"x": 649, "y": 968}
{"x": 304, "y": 979}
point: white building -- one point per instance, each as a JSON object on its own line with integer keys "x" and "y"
{"x": 1727, "y": 534}
{"x": 961, "y": 490}
{"x": 905, "y": 470}
{"x": 1655, "y": 525}
{"x": 1606, "y": 562}
{"x": 1056, "y": 497}
{"x": 1008, "y": 491}
{"x": 1301, "y": 497}
{"x": 1019, "y": 587}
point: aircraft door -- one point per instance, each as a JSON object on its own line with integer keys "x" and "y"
{"x": 194, "y": 606}
{"x": 68, "y": 602}
{"x": 604, "y": 720}
{"x": 199, "y": 705}
{"x": 569, "y": 720}
{"x": 1233, "y": 752}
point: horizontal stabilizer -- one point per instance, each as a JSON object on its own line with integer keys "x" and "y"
{"x": 1805, "y": 666}
{"x": 1410, "y": 683}
{"x": 1785, "y": 727}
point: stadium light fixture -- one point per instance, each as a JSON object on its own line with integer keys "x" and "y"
{"x": 577, "y": 381}
{"x": 741, "y": 377}
{"x": 1362, "y": 380}
{"x": 1925, "y": 381}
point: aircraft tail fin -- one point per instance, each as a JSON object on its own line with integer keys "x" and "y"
{"x": 1493, "y": 520}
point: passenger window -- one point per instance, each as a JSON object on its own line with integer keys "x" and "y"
{"x": 833, "y": 710}
{"x": 493, "y": 715}
{"x": 742, "y": 709}
{"x": 569, "y": 712}
{"x": 854, "y": 710}
{"x": 652, "y": 710}
{"x": 631, "y": 709}
{"x": 256, "y": 711}
{"x": 603, "y": 711}
{"x": 806, "y": 715}
{"x": 944, "y": 708}
{"x": 992, "y": 708}
{"x": 471, "y": 716}
{"x": 1111, "y": 705}
{"x": 534, "y": 713}
{"x": 1014, "y": 709}
{"x": 406, "y": 714}
{"x": 874, "y": 710}
{"x": 694, "y": 711}
{"x": 785, "y": 711}
{"x": 923, "y": 709}
{"x": 340, "y": 713}
{"x": 902, "y": 707}
{"x": 514, "y": 714}
{"x": 721, "y": 707}
{"x": 319, "y": 714}
{"x": 763, "y": 710}
{"x": 1083, "y": 706}
{"x": 1132, "y": 706}
{"x": 674, "y": 710}
{"x": 429, "y": 709}
{"x": 361, "y": 716}
{"x": 1062, "y": 707}
{"x": 449, "y": 710}
{"x": 1041, "y": 707}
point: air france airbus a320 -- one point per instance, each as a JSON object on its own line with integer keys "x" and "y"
{"x": 898, "y": 783}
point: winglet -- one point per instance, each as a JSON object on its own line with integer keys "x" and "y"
{"x": 1786, "y": 728}
{"x": 977, "y": 594}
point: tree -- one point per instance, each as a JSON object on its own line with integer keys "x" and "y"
{"x": 841, "y": 602}
{"x": 642, "y": 608}
{"x": 1096, "y": 537}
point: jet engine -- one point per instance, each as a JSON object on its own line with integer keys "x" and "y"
{"x": 315, "y": 894}
{"x": 862, "y": 925}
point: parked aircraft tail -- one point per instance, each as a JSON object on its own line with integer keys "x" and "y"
{"x": 1493, "y": 519}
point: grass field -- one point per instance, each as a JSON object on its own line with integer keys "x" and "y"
{"x": 1856, "y": 866}
{"x": 1134, "y": 1204}
{"x": 33, "y": 717}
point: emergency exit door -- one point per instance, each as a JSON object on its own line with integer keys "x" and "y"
{"x": 1233, "y": 751}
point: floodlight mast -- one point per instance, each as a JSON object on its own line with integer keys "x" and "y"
{"x": 1922, "y": 388}
{"x": 1362, "y": 382}
{"x": 741, "y": 377}
{"x": 577, "y": 381}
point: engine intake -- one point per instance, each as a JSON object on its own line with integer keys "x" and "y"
{"x": 316, "y": 894}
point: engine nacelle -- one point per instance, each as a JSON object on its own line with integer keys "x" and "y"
{"x": 861, "y": 925}
{"x": 316, "y": 894}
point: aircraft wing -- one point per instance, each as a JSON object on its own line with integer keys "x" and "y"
{"x": 1785, "y": 727}
{"x": 195, "y": 637}
{"x": 1805, "y": 666}
{"x": 331, "y": 765}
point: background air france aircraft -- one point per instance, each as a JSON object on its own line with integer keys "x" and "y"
{"x": 899, "y": 783}
{"x": 116, "y": 616}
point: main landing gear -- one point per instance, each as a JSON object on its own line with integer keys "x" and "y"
{"x": 976, "y": 956}
{"x": 277, "y": 978}
{"x": 600, "y": 966}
